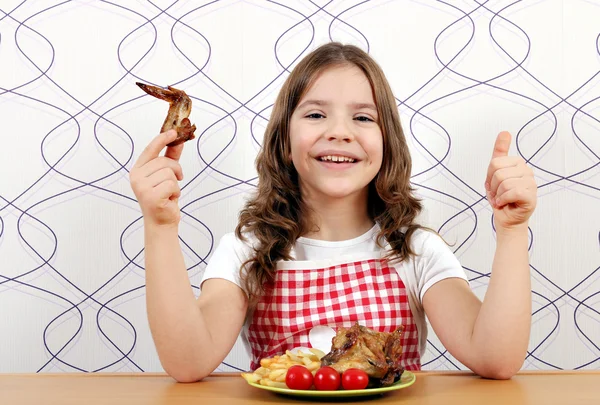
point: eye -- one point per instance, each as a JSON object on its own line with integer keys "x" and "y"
{"x": 363, "y": 118}
{"x": 315, "y": 116}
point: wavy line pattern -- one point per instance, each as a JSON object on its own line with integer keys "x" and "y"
{"x": 71, "y": 245}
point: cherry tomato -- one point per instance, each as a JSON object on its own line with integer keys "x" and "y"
{"x": 327, "y": 379}
{"x": 298, "y": 378}
{"x": 355, "y": 379}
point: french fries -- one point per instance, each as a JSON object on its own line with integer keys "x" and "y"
{"x": 273, "y": 370}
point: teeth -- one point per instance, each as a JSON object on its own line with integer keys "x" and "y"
{"x": 331, "y": 158}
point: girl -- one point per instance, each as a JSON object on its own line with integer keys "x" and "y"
{"x": 330, "y": 238}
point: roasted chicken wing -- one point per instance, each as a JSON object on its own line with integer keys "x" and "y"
{"x": 180, "y": 107}
{"x": 376, "y": 353}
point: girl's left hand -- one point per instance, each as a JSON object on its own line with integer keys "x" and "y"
{"x": 510, "y": 186}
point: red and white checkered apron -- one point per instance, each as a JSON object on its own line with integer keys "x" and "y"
{"x": 366, "y": 291}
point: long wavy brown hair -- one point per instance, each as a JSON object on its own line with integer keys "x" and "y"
{"x": 276, "y": 215}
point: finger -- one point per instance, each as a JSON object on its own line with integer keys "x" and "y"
{"x": 507, "y": 185}
{"x": 502, "y": 145}
{"x": 501, "y": 175}
{"x": 160, "y": 163}
{"x": 174, "y": 152}
{"x": 155, "y": 146}
{"x": 500, "y": 163}
{"x": 525, "y": 183}
{"x": 163, "y": 174}
{"x": 168, "y": 189}
{"x": 515, "y": 195}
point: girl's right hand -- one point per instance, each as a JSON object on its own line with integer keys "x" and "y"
{"x": 154, "y": 180}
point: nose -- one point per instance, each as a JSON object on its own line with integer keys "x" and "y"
{"x": 339, "y": 130}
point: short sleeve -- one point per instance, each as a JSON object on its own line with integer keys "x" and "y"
{"x": 434, "y": 262}
{"x": 226, "y": 261}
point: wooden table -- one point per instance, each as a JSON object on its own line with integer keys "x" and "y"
{"x": 447, "y": 388}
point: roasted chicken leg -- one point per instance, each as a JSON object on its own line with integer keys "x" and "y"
{"x": 376, "y": 353}
{"x": 180, "y": 107}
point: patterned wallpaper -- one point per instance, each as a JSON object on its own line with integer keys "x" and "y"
{"x": 73, "y": 123}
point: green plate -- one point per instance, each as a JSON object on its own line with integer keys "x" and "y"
{"x": 406, "y": 380}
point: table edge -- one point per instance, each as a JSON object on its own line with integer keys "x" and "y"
{"x": 237, "y": 374}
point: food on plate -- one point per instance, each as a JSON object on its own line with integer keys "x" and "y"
{"x": 180, "y": 106}
{"x": 298, "y": 378}
{"x": 359, "y": 358}
{"x": 273, "y": 371}
{"x": 378, "y": 354}
{"x": 354, "y": 379}
{"x": 327, "y": 379}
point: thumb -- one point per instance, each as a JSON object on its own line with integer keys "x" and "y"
{"x": 502, "y": 145}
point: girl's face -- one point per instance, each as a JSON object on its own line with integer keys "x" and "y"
{"x": 336, "y": 142}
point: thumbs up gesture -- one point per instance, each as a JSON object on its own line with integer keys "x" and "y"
{"x": 510, "y": 186}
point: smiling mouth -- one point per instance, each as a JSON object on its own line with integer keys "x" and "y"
{"x": 336, "y": 159}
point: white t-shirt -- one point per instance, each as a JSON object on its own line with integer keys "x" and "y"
{"x": 434, "y": 261}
